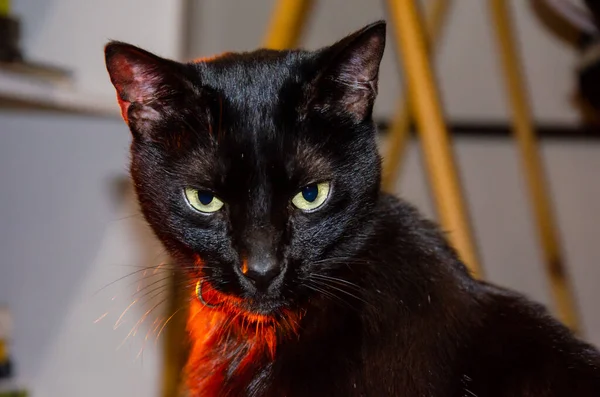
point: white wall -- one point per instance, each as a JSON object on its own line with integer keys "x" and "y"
{"x": 64, "y": 230}
{"x": 467, "y": 65}
{"x": 72, "y": 33}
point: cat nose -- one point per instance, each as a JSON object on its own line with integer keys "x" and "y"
{"x": 261, "y": 271}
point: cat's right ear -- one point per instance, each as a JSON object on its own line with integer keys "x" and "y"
{"x": 347, "y": 84}
{"x": 145, "y": 84}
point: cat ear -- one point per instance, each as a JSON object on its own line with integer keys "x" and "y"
{"x": 144, "y": 83}
{"x": 348, "y": 83}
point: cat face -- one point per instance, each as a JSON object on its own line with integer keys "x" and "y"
{"x": 258, "y": 171}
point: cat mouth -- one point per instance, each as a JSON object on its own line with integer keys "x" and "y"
{"x": 262, "y": 306}
{"x": 250, "y": 314}
{"x": 265, "y": 307}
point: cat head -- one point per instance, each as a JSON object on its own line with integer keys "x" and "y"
{"x": 258, "y": 171}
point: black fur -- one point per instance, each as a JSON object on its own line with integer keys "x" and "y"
{"x": 389, "y": 308}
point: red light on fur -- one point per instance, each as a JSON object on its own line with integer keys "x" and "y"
{"x": 244, "y": 265}
{"x": 124, "y": 106}
{"x": 209, "y": 58}
{"x": 228, "y": 342}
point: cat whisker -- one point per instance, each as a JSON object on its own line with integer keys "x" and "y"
{"x": 150, "y": 267}
{"x": 325, "y": 284}
{"x": 119, "y": 279}
{"x": 287, "y": 320}
{"x": 138, "y": 215}
{"x": 160, "y": 289}
{"x": 165, "y": 324}
{"x": 159, "y": 321}
{"x": 183, "y": 283}
{"x": 342, "y": 261}
{"x": 147, "y": 313}
{"x": 231, "y": 320}
{"x": 166, "y": 274}
{"x": 159, "y": 267}
{"x": 139, "y": 282}
{"x": 155, "y": 324}
{"x": 338, "y": 281}
{"x": 135, "y": 328}
{"x": 96, "y": 321}
{"x": 341, "y": 258}
{"x": 172, "y": 267}
{"x": 328, "y": 294}
{"x": 162, "y": 280}
{"x": 119, "y": 320}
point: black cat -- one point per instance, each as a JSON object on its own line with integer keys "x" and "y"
{"x": 259, "y": 172}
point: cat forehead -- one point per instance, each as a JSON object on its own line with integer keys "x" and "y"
{"x": 262, "y": 63}
{"x": 256, "y": 78}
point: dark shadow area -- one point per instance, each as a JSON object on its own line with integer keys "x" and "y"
{"x": 557, "y": 25}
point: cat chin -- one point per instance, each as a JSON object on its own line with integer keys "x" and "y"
{"x": 262, "y": 307}
{"x": 257, "y": 306}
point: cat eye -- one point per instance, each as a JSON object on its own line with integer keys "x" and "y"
{"x": 312, "y": 196}
{"x": 202, "y": 201}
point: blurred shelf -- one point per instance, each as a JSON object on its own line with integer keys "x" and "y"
{"x": 37, "y": 87}
{"x": 498, "y": 129}
{"x": 12, "y": 388}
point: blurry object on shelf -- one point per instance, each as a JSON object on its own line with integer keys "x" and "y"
{"x": 9, "y": 39}
{"x": 584, "y": 16}
{"x": 11, "y": 57}
{"x": 589, "y": 75}
{"x": 10, "y": 50}
{"x": 27, "y": 85}
{"x": 8, "y": 385}
{"x": 594, "y": 7}
{"x": 9, "y": 389}
{"x": 38, "y": 71}
{"x": 5, "y": 337}
{"x": 22, "y": 82}
{"x": 589, "y": 65}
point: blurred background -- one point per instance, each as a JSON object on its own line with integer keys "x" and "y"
{"x": 70, "y": 228}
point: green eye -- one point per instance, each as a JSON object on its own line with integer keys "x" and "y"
{"x": 312, "y": 196}
{"x": 203, "y": 201}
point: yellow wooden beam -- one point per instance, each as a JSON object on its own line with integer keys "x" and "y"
{"x": 287, "y": 22}
{"x": 424, "y": 99}
{"x": 399, "y": 132}
{"x": 532, "y": 164}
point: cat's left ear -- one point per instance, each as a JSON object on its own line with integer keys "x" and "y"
{"x": 145, "y": 83}
{"x": 348, "y": 82}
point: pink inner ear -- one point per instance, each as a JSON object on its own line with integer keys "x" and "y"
{"x": 123, "y": 76}
{"x": 124, "y": 105}
{"x": 135, "y": 79}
